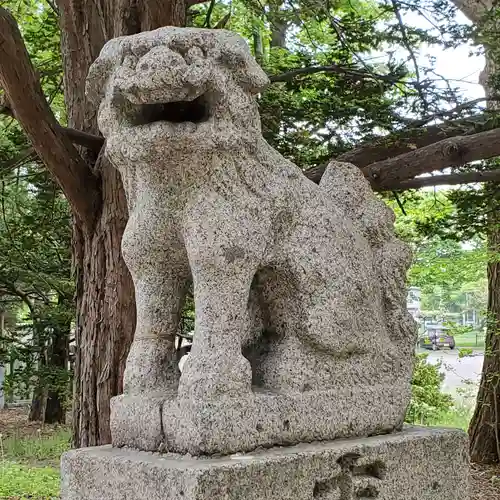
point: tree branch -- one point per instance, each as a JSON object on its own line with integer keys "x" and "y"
{"x": 452, "y": 152}
{"x": 89, "y": 141}
{"x": 411, "y": 52}
{"x": 406, "y": 141}
{"x": 447, "y": 113}
{"x": 26, "y": 99}
{"x": 4, "y": 106}
{"x": 190, "y": 3}
{"x": 53, "y": 6}
{"x": 20, "y": 159}
{"x": 208, "y": 17}
{"x": 10, "y": 289}
{"x": 452, "y": 179}
{"x": 332, "y": 68}
{"x": 474, "y": 10}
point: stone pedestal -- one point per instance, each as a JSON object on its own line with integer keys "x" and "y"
{"x": 248, "y": 421}
{"x": 415, "y": 464}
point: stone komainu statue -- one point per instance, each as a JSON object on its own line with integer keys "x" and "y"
{"x": 302, "y": 331}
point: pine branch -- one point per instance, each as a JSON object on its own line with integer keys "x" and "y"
{"x": 89, "y": 141}
{"x": 454, "y": 152}
{"x": 406, "y": 141}
{"x": 452, "y": 179}
{"x": 332, "y": 68}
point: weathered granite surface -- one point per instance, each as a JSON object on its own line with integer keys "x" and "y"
{"x": 301, "y": 328}
{"x": 417, "y": 464}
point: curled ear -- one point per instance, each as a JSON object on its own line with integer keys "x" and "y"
{"x": 236, "y": 54}
{"x": 254, "y": 79}
{"x": 101, "y": 69}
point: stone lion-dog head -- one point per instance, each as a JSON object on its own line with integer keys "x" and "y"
{"x": 172, "y": 89}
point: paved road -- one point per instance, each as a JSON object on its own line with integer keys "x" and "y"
{"x": 461, "y": 373}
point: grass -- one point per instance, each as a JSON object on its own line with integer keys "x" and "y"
{"x": 458, "y": 417}
{"x": 470, "y": 340}
{"x": 471, "y": 345}
{"x": 29, "y": 457}
{"x": 19, "y": 481}
{"x": 29, "y": 466}
{"x": 45, "y": 449}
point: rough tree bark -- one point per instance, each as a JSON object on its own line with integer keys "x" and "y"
{"x": 407, "y": 141}
{"x": 484, "y": 430}
{"x": 454, "y": 152}
{"x": 58, "y": 354}
{"x": 40, "y": 393}
{"x": 105, "y": 297}
{"x": 106, "y": 306}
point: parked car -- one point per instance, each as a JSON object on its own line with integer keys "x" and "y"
{"x": 437, "y": 337}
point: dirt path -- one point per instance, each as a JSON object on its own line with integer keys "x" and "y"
{"x": 14, "y": 423}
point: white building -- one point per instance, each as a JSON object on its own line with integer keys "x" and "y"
{"x": 413, "y": 302}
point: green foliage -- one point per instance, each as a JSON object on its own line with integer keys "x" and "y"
{"x": 35, "y": 236}
{"x": 450, "y": 272}
{"x": 458, "y": 330}
{"x": 373, "y": 87}
{"x": 35, "y": 280}
{"x": 188, "y": 315}
{"x": 23, "y": 482}
{"x": 451, "y": 277}
{"x": 29, "y": 466}
{"x": 458, "y": 417}
{"x": 464, "y": 352}
{"x": 428, "y": 401}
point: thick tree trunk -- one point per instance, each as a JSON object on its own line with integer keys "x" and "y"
{"x": 57, "y": 363}
{"x": 105, "y": 294}
{"x": 484, "y": 430}
{"x": 39, "y": 399}
{"x": 278, "y": 25}
{"x": 47, "y": 403}
{"x": 105, "y": 315}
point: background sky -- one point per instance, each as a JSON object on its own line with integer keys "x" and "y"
{"x": 454, "y": 64}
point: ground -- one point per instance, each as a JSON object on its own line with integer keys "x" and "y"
{"x": 462, "y": 376}
{"x": 29, "y": 456}
{"x": 485, "y": 482}
{"x": 29, "y": 462}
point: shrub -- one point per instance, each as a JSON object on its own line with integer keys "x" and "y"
{"x": 428, "y": 401}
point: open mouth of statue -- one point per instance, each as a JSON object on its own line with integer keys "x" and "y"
{"x": 195, "y": 111}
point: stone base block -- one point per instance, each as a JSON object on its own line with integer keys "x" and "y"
{"x": 415, "y": 464}
{"x": 243, "y": 423}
